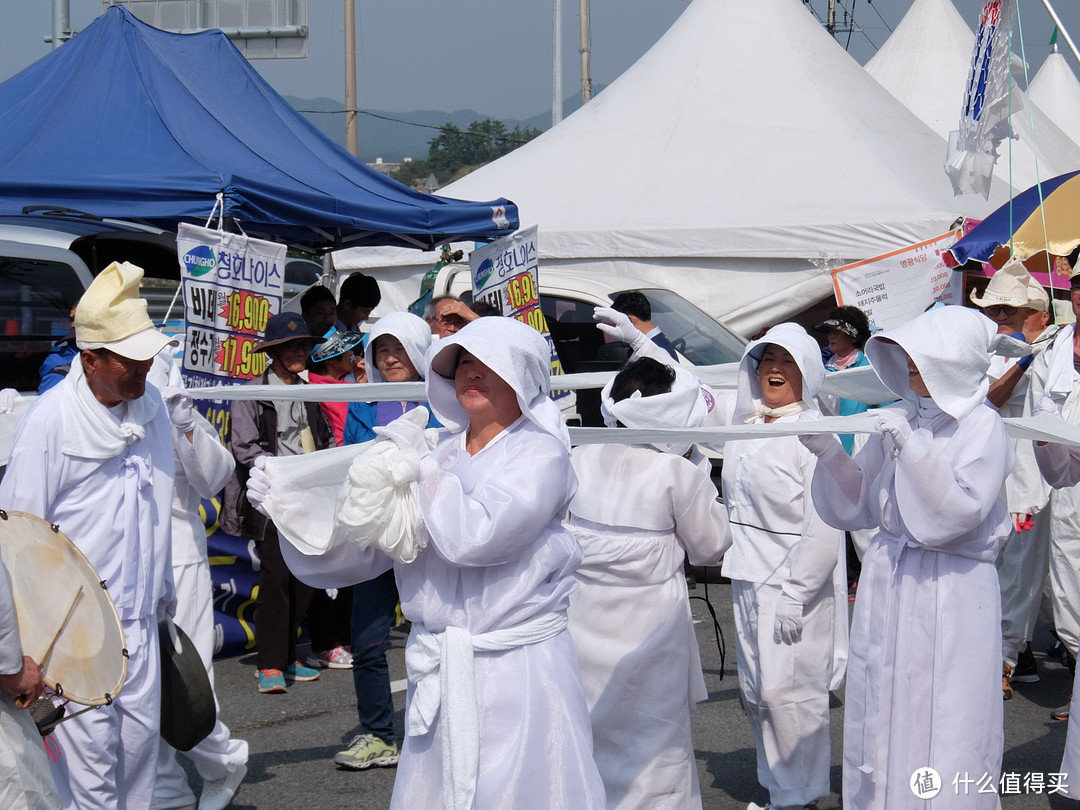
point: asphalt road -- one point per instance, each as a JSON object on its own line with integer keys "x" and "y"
{"x": 293, "y": 737}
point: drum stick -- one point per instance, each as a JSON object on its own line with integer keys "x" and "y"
{"x": 60, "y": 629}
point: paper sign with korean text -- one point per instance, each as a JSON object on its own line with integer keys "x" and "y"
{"x": 504, "y": 274}
{"x": 232, "y": 284}
{"x": 895, "y": 287}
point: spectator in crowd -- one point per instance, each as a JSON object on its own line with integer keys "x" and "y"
{"x": 359, "y": 294}
{"x": 318, "y": 308}
{"x": 446, "y": 314}
{"x": 274, "y": 428}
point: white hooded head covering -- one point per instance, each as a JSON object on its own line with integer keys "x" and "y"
{"x": 806, "y": 353}
{"x": 412, "y": 331}
{"x": 951, "y": 347}
{"x": 686, "y": 405}
{"x": 517, "y": 353}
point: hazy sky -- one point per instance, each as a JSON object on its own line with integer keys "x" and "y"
{"x": 492, "y": 56}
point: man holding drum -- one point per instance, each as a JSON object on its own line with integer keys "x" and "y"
{"x": 94, "y": 455}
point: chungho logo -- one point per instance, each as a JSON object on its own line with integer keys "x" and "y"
{"x": 200, "y": 260}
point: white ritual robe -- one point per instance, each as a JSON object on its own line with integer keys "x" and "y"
{"x": 26, "y": 782}
{"x": 1053, "y": 376}
{"x": 497, "y": 557}
{"x": 203, "y": 466}
{"x": 117, "y": 511}
{"x": 923, "y": 675}
{"x": 1023, "y": 563}
{"x": 636, "y": 512}
{"x": 781, "y": 545}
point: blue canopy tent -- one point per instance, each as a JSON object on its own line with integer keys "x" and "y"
{"x": 131, "y": 122}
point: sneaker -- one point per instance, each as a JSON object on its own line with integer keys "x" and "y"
{"x": 367, "y": 751}
{"x": 1056, "y": 651}
{"x": 217, "y": 794}
{"x": 298, "y": 672}
{"x": 337, "y": 658}
{"x": 1061, "y": 713}
{"x": 1025, "y": 671}
{"x": 1006, "y": 687}
{"x": 271, "y": 681}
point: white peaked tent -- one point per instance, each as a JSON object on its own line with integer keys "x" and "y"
{"x": 1056, "y": 91}
{"x": 739, "y": 149}
{"x": 925, "y": 63}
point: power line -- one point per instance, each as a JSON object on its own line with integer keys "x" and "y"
{"x": 508, "y": 138}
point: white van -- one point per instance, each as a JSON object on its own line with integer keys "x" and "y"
{"x": 568, "y": 299}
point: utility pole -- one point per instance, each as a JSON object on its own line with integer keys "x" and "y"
{"x": 351, "y": 142}
{"x": 61, "y": 22}
{"x": 556, "y": 68}
{"x": 586, "y": 51}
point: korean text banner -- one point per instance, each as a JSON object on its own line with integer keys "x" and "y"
{"x": 895, "y": 287}
{"x": 505, "y": 275}
{"x": 232, "y": 285}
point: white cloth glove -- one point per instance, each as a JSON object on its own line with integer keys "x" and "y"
{"x": 1047, "y": 405}
{"x": 181, "y": 409}
{"x": 332, "y": 593}
{"x": 258, "y": 485}
{"x": 892, "y": 424}
{"x": 8, "y": 398}
{"x": 407, "y": 431}
{"x": 617, "y": 325}
{"x": 789, "y": 621}
{"x": 817, "y": 443}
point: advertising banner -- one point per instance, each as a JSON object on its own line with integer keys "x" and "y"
{"x": 504, "y": 275}
{"x": 895, "y": 287}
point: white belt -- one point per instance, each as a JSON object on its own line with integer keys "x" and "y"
{"x": 440, "y": 667}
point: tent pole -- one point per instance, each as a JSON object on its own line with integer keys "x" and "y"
{"x": 556, "y": 66}
{"x": 1061, "y": 28}
{"x": 350, "y": 79}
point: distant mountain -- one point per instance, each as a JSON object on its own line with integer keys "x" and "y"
{"x": 396, "y": 135}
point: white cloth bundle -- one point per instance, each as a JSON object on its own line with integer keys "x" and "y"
{"x": 375, "y": 506}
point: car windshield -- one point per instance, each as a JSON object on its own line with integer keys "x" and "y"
{"x": 699, "y": 338}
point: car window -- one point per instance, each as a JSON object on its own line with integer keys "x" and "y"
{"x": 36, "y": 298}
{"x": 699, "y": 338}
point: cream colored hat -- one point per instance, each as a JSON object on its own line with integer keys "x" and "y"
{"x": 1013, "y": 285}
{"x": 112, "y": 316}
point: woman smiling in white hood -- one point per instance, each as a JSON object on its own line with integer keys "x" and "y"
{"x": 782, "y": 564}
{"x": 923, "y": 690}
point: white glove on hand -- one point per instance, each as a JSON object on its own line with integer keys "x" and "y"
{"x": 258, "y": 485}
{"x": 407, "y": 431}
{"x": 617, "y": 325}
{"x": 1047, "y": 405}
{"x": 789, "y": 620}
{"x": 8, "y": 398}
{"x": 892, "y": 424}
{"x": 818, "y": 443}
{"x": 181, "y": 410}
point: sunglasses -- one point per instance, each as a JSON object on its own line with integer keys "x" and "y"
{"x": 1002, "y": 309}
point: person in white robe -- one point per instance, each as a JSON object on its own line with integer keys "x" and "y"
{"x": 923, "y": 690}
{"x": 495, "y": 712}
{"x": 1060, "y": 465}
{"x": 1009, "y": 300}
{"x": 26, "y": 783}
{"x": 637, "y": 511}
{"x": 95, "y": 456}
{"x": 782, "y": 563}
{"x": 1054, "y": 376}
{"x": 203, "y": 466}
